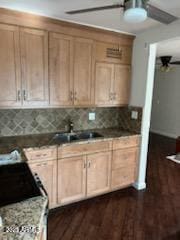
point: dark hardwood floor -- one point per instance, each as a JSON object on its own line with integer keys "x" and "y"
{"x": 152, "y": 214}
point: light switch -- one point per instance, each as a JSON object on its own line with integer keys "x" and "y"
{"x": 92, "y": 116}
{"x": 134, "y": 115}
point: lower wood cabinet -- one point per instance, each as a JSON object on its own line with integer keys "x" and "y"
{"x": 124, "y": 167}
{"x": 47, "y": 172}
{"x": 71, "y": 179}
{"x": 98, "y": 173}
{"x": 85, "y": 170}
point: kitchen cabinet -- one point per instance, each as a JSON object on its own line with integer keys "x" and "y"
{"x": 10, "y": 73}
{"x": 73, "y": 172}
{"x": 103, "y": 84}
{"x": 98, "y": 173}
{"x": 112, "y": 84}
{"x": 61, "y": 69}
{"x": 47, "y": 172}
{"x": 71, "y": 70}
{"x": 113, "y": 53}
{"x": 24, "y": 67}
{"x": 124, "y": 166}
{"x": 83, "y": 71}
{"x": 71, "y": 179}
{"x": 121, "y": 84}
{"x": 34, "y": 64}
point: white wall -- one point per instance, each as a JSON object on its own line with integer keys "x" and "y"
{"x": 165, "y": 116}
{"x": 140, "y": 58}
{"x": 142, "y": 82}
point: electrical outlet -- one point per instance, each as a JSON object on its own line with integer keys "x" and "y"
{"x": 134, "y": 115}
{"x": 92, "y": 116}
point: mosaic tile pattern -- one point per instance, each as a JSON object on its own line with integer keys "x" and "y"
{"x": 32, "y": 121}
{"x": 125, "y": 121}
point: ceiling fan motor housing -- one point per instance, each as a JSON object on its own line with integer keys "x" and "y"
{"x": 166, "y": 60}
{"x": 129, "y": 4}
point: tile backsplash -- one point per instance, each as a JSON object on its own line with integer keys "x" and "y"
{"x": 34, "y": 121}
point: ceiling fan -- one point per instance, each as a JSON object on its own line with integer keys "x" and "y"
{"x": 166, "y": 63}
{"x": 134, "y": 11}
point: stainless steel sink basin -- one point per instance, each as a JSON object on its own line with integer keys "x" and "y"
{"x": 70, "y": 137}
{"x": 89, "y": 135}
{"x": 65, "y": 137}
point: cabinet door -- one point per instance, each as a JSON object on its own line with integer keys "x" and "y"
{"x": 71, "y": 179}
{"x": 121, "y": 84}
{"x": 10, "y": 83}
{"x": 83, "y": 67}
{"x": 124, "y": 167}
{"x": 47, "y": 172}
{"x": 34, "y": 60}
{"x": 103, "y": 84}
{"x": 98, "y": 173}
{"x": 61, "y": 69}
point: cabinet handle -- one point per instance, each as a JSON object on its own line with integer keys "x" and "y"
{"x": 89, "y": 164}
{"x": 75, "y": 95}
{"x": 24, "y": 95}
{"x": 114, "y": 96}
{"x": 71, "y": 96}
{"x": 19, "y": 95}
{"x": 41, "y": 164}
{"x": 111, "y": 96}
{"x": 84, "y": 164}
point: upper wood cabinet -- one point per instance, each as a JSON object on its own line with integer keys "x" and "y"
{"x": 98, "y": 173}
{"x": 113, "y": 53}
{"x": 23, "y": 67}
{"x": 71, "y": 179}
{"x": 34, "y": 60}
{"x": 104, "y": 83}
{"x": 83, "y": 66}
{"x": 71, "y": 70}
{"x": 10, "y": 78}
{"x": 112, "y": 84}
{"x": 121, "y": 84}
{"x": 61, "y": 69}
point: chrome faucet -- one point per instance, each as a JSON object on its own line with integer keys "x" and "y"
{"x": 71, "y": 127}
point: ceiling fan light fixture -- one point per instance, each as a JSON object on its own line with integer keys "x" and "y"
{"x": 135, "y": 15}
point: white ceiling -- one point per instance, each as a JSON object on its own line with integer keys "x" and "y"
{"x": 169, "y": 48}
{"x": 109, "y": 19}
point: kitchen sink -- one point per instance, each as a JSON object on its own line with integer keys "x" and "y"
{"x": 89, "y": 135}
{"x": 65, "y": 137}
{"x": 70, "y": 137}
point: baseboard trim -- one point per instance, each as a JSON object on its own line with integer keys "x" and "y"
{"x": 170, "y": 135}
{"x": 139, "y": 186}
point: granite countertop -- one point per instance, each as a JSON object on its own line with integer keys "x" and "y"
{"x": 7, "y": 144}
{"x": 18, "y": 217}
{"x": 30, "y": 212}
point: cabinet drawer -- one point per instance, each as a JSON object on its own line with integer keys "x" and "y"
{"x": 126, "y": 142}
{"x": 81, "y": 149}
{"x": 113, "y": 53}
{"x": 124, "y": 158}
{"x": 123, "y": 177}
{"x": 41, "y": 154}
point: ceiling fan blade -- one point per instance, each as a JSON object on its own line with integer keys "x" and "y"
{"x": 175, "y": 63}
{"x": 96, "y": 9}
{"x": 160, "y": 15}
